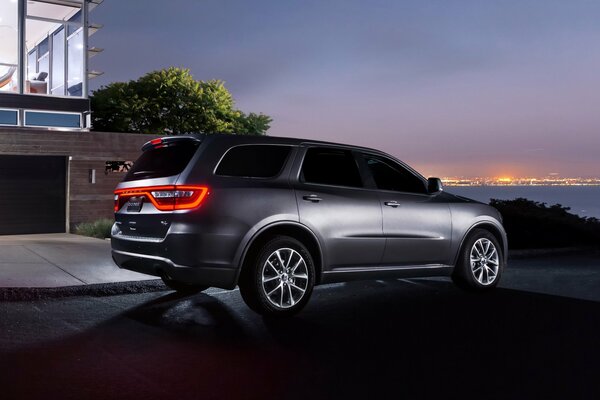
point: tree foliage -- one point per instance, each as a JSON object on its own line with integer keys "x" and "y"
{"x": 531, "y": 224}
{"x": 171, "y": 100}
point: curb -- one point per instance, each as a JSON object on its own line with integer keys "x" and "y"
{"x": 93, "y": 290}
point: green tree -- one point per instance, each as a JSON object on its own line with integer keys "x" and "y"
{"x": 171, "y": 100}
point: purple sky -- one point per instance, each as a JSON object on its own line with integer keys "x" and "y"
{"x": 466, "y": 88}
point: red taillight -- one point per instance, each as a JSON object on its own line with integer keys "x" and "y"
{"x": 165, "y": 198}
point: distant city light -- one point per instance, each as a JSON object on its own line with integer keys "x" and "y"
{"x": 551, "y": 180}
{"x": 505, "y": 179}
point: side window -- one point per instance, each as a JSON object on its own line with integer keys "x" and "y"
{"x": 330, "y": 167}
{"x": 253, "y": 161}
{"x": 389, "y": 175}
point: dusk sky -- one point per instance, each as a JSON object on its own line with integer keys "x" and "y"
{"x": 455, "y": 88}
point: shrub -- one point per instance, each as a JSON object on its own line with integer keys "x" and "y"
{"x": 99, "y": 229}
{"x": 531, "y": 224}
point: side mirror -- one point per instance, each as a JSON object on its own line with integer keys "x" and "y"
{"x": 434, "y": 186}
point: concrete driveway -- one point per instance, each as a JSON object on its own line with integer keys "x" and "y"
{"x": 59, "y": 259}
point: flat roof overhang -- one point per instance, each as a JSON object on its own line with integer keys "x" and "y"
{"x": 43, "y": 103}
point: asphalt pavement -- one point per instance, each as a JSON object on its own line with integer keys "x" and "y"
{"x": 535, "y": 337}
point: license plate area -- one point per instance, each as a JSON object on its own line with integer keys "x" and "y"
{"x": 134, "y": 204}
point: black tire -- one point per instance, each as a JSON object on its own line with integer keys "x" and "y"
{"x": 469, "y": 276}
{"x": 182, "y": 287}
{"x": 254, "y": 291}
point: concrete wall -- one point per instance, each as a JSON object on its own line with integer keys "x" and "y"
{"x": 88, "y": 150}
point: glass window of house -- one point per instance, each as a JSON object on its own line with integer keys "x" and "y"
{"x": 75, "y": 64}
{"x": 58, "y": 63}
{"x": 38, "y": 60}
{"x": 44, "y": 62}
{"x": 55, "y": 119}
{"x": 31, "y": 64}
{"x": 9, "y": 48}
{"x": 56, "y": 10}
{"x": 9, "y": 117}
{"x": 75, "y": 23}
{"x": 53, "y": 30}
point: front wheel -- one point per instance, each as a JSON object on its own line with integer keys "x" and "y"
{"x": 280, "y": 279}
{"x": 480, "y": 262}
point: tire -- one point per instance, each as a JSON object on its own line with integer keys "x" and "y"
{"x": 480, "y": 262}
{"x": 279, "y": 279}
{"x": 181, "y": 287}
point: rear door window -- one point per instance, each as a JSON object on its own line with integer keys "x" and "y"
{"x": 253, "y": 161}
{"x": 160, "y": 162}
{"x": 328, "y": 166}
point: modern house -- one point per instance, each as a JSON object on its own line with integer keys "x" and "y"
{"x": 54, "y": 172}
{"x": 44, "y": 63}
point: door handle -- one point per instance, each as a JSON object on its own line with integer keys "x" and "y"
{"x": 392, "y": 203}
{"x": 312, "y": 198}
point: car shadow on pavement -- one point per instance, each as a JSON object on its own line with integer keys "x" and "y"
{"x": 196, "y": 316}
{"x": 389, "y": 339}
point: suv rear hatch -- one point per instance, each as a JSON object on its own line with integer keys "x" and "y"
{"x": 149, "y": 195}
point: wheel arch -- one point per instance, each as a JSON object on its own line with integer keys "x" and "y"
{"x": 284, "y": 228}
{"x": 491, "y": 227}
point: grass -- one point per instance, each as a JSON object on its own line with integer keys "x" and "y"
{"x": 99, "y": 229}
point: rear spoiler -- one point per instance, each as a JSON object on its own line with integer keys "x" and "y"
{"x": 169, "y": 141}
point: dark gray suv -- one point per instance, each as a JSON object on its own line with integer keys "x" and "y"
{"x": 277, "y": 216}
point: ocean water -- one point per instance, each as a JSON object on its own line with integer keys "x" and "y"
{"x": 583, "y": 200}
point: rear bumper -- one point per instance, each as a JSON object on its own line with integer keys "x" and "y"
{"x": 160, "y": 266}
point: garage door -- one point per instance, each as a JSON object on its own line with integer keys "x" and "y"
{"x": 32, "y": 194}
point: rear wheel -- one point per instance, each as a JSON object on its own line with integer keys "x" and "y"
{"x": 182, "y": 287}
{"x": 279, "y": 280}
{"x": 480, "y": 262}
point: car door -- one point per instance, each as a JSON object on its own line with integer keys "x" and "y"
{"x": 417, "y": 226}
{"x": 333, "y": 202}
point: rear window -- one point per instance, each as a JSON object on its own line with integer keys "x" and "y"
{"x": 253, "y": 161}
{"x": 163, "y": 161}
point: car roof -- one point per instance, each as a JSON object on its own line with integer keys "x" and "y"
{"x": 234, "y": 139}
{"x": 242, "y": 139}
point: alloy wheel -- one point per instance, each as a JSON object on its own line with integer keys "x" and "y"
{"x": 485, "y": 261}
{"x": 284, "y": 278}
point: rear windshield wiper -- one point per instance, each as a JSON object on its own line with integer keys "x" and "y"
{"x": 144, "y": 172}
